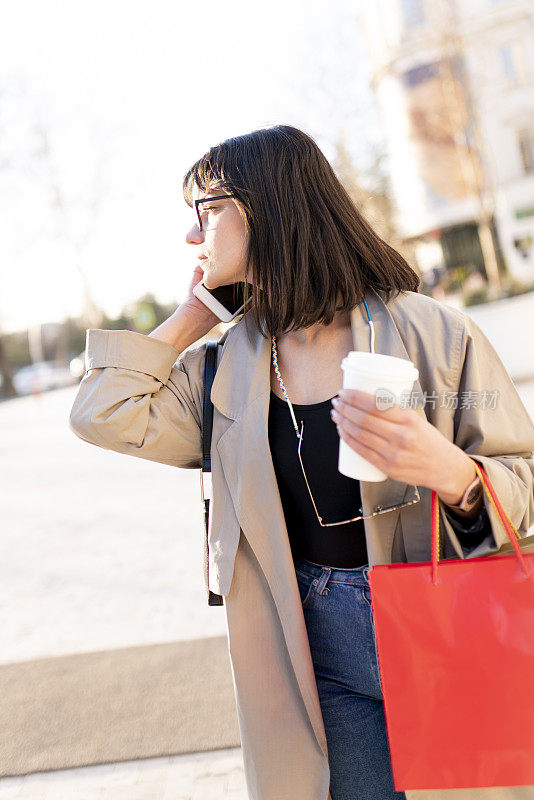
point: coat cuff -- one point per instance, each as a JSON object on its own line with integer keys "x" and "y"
{"x": 512, "y": 487}
{"x": 473, "y": 526}
{"x": 129, "y": 350}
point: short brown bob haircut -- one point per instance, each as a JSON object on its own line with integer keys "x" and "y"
{"x": 308, "y": 245}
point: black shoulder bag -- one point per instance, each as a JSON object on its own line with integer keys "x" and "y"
{"x": 210, "y": 368}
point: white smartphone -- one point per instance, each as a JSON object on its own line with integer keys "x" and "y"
{"x": 226, "y": 302}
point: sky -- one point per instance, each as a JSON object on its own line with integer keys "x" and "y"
{"x": 105, "y": 105}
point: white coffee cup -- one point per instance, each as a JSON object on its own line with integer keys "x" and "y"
{"x": 390, "y": 380}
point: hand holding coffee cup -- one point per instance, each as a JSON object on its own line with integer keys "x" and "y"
{"x": 389, "y": 380}
{"x": 378, "y": 442}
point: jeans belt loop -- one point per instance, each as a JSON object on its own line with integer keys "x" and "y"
{"x": 323, "y": 580}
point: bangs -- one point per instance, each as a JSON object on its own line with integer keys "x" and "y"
{"x": 208, "y": 173}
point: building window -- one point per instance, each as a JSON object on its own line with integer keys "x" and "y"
{"x": 420, "y": 74}
{"x": 525, "y": 138}
{"x": 513, "y": 66}
{"x": 413, "y": 12}
{"x": 524, "y": 246}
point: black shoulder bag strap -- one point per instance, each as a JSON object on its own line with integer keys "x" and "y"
{"x": 210, "y": 368}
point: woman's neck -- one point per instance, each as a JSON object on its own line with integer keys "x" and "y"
{"x": 317, "y": 335}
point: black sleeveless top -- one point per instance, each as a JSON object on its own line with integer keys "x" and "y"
{"x": 336, "y": 496}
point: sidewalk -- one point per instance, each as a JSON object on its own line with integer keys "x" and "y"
{"x": 217, "y": 775}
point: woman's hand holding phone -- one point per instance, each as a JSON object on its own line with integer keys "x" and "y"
{"x": 191, "y": 321}
{"x": 200, "y": 312}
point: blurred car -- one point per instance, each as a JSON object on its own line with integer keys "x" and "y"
{"x": 41, "y": 376}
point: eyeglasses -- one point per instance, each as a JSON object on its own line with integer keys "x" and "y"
{"x": 379, "y": 509}
{"x": 205, "y": 200}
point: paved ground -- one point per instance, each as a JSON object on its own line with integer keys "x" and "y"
{"x": 100, "y": 550}
{"x": 85, "y": 568}
{"x": 217, "y": 775}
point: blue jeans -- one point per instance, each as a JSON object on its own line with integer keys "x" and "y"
{"x": 337, "y": 609}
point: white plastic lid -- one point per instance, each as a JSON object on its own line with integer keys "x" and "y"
{"x": 377, "y": 364}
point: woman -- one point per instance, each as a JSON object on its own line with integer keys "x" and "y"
{"x": 273, "y": 215}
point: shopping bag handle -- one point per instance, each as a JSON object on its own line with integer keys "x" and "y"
{"x": 509, "y": 527}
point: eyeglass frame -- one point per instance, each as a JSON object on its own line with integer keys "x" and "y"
{"x": 380, "y": 509}
{"x": 205, "y": 200}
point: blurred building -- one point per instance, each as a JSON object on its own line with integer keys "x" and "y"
{"x": 454, "y": 82}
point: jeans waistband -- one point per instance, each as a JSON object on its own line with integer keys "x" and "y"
{"x": 352, "y": 575}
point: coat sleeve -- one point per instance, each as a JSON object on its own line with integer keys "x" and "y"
{"x": 493, "y": 427}
{"x": 140, "y": 397}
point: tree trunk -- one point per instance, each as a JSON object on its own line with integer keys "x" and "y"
{"x": 8, "y": 389}
{"x": 491, "y": 264}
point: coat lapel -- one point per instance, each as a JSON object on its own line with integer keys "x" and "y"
{"x": 380, "y": 530}
{"x": 241, "y": 391}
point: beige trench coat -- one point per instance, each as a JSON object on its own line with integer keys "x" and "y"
{"x": 139, "y": 398}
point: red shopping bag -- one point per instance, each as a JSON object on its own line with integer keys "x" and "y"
{"x": 455, "y": 645}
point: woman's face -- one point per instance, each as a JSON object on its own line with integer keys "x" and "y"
{"x": 222, "y": 242}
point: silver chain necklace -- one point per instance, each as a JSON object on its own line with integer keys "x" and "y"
{"x": 281, "y": 382}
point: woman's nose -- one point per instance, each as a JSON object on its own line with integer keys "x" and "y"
{"x": 194, "y": 234}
